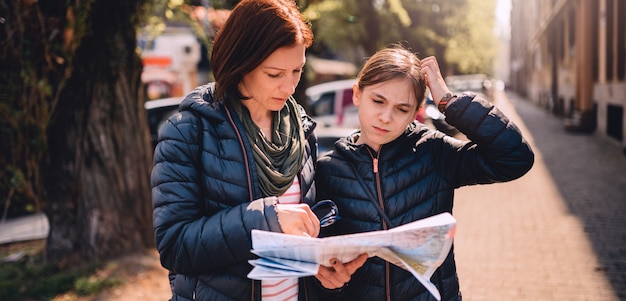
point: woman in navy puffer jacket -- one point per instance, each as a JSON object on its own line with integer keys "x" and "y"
{"x": 240, "y": 155}
{"x": 408, "y": 171}
{"x": 210, "y": 237}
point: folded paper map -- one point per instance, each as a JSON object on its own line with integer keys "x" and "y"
{"x": 419, "y": 247}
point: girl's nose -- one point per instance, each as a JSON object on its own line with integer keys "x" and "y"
{"x": 385, "y": 115}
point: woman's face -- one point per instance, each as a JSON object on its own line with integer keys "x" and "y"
{"x": 385, "y": 110}
{"x": 273, "y": 81}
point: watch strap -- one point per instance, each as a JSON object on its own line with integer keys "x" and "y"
{"x": 444, "y": 101}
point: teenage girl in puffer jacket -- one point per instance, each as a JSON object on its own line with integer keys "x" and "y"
{"x": 396, "y": 170}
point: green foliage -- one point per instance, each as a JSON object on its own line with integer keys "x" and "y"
{"x": 458, "y": 32}
{"x": 37, "y": 60}
{"x": 472, "y": 46}
{"x": 398, "y": 10}
{"x": 35, "y": 57}
{"x": 88, "y": 286}
{"x": 336, "y": 24}
{"x": 353, "y": 29}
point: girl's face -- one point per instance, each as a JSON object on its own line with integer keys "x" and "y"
{"x": 385, "y": 110}
{"x": 273, "y": 81}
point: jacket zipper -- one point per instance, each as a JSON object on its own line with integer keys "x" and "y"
{"x": 382, "y": 206}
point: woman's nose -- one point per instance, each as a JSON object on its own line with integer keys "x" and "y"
{"x": 289, "y": 85}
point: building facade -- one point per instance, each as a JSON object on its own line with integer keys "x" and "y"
{"x": 569, "y": 56}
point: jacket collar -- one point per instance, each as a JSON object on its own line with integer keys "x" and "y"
{"x": 348, "y": 148}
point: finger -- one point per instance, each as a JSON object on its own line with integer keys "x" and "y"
{"x": 331, "y": 276}
{"x": 326, "y": 276}
{"x": 313, "y": 217}
{"x": 307, "y": 228}
{"x": 340, "y": 269}
{"x": 340, "y": 275}
{"x": 355, "y": 264}
{"x": 312, "y": 224}
{"x": 431, "y": 61}
{"x": 293, "y": 221}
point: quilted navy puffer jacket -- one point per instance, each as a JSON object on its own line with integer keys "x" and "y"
{"x": 416, "y": 178}
{"x": 204, "y": 241}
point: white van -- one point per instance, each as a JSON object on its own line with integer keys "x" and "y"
{"x": 331, "y": 104}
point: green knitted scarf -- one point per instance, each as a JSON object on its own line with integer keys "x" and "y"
{"x": 278, "y": 160}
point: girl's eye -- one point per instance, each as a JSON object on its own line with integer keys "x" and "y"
{"x": 377, "y": 100}
{"x": 273, "y": 75}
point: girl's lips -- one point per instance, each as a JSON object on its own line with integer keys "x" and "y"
{"x": 380, "y": 130}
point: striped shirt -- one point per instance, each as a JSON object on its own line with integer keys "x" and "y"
{"x": 283, "y": 289}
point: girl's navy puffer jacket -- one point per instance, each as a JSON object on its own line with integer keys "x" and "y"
{"x": 204, "y": 209}
{"x": 415, "y": 178}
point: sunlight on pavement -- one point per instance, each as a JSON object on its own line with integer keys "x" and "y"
{"x": 518, "y": 240}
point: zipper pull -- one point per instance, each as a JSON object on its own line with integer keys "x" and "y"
{"x": 375, "y": 163}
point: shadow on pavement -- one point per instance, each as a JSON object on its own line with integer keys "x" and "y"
{"x": 590, "y": 173}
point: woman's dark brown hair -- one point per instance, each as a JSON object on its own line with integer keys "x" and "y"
{"x": 253, "y": 31}
{"x": 394, "y": 62}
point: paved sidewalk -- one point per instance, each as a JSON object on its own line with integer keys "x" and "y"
{"x": 558, "y": 232}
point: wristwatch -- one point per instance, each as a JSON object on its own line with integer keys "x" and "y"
{"x": 444, "y": 101}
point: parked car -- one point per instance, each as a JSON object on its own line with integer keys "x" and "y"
{"x": 331, "y": 104}
{"x": 159, "y": 110}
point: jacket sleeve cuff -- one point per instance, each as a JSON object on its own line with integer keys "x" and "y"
{"x": 271, "y": 217}
{"x": 456, "y": 107}
{"x": 261, "y": 214}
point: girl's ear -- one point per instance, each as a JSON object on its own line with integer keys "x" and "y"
{"x": 356, "y": 95}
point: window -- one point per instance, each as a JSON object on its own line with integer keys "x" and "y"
{"x": 615, "y": 122}
{"x": 325, "y": 105}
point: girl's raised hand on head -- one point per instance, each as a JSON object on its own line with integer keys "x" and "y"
{"x": 434, "y": 79}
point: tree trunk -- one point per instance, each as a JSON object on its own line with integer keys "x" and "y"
{"x": 97, "y": 180}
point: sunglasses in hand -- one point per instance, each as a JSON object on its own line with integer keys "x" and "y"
{"x": 326, "y": 211}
